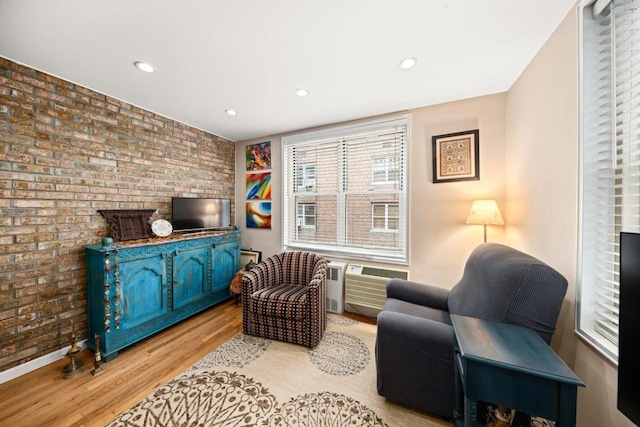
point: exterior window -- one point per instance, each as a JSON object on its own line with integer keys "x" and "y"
{"x": 385, "y": 170}
{"x": 306, "y": 215}
{"x": 331, "y": 180}
{"x": 306, "y": 177}
{"x": 609, "y": 173}
{"x": 384, "y": 216}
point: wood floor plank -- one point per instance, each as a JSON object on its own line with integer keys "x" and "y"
{"x": 44, "y": 398}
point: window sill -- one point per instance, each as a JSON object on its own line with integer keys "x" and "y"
{"x": 600, "y": 345}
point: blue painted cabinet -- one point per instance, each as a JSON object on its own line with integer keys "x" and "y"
{"x": 190, "y": 282}
{"x": 136, "y": 290}
{"x": 225, "y": 265}
{"x": 143, "y": 293}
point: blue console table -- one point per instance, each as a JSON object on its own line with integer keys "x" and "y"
{"x": 511, "y": 366}
{"x": 137, "y": 289}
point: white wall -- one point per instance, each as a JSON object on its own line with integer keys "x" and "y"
{"x": 542, "y": 200}
{"x": 440, "y": 241}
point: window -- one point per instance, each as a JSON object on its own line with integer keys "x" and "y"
{"x": 306, "y": 177}
{"x": 384, "y": 170}
{"x": 306, "y": 215}
{"x": 609, "y": 162}
{"x": 352, "y": 168}
{"x": 384, "y": 216}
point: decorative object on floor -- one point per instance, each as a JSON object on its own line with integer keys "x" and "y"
{"x": 161, "y": 228}
{"x": 128, "y": 224}
{"x": 97, "y": 361}
{"x": 74, "y": 367}
{"x": 499, "y": 284}
{"x": 251, "y": 381}
{"x": 258, "y": 156}
{"x": 499, "y": 417}
{"x": 236, "y": 284}
{"x": 258, "y": 185}
{"x": 284, "y": 298}
{"x": 484, "y": 212}
{"x": 456, "y": 156}
{"x": 258, "y": 214}
{"x": 247, "y": 255}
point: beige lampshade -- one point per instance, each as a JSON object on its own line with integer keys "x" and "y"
{"x": 485, "y": 212}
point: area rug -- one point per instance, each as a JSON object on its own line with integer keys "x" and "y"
{"x": 252, "y": 381}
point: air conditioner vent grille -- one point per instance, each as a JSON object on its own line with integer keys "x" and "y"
{"x": 383, "y": 272}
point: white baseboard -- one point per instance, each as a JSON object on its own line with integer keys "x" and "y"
{"x": 32, "y": 365}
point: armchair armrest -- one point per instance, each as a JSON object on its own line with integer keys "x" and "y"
{"x": 319, "y": 275}
{"x": 259, "y": 277}
{"x": 432, "y": 339}
{"x": 418, "y": 293}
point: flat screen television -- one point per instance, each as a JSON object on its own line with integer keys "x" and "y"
{"x": 629, "y": 327}
{"x": 196, "y": 214}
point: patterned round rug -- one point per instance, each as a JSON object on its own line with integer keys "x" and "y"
{"x": 340, "y": 320}
{"x": 237, "y": 352}
{"x": 324, "y": 409}
{"x": 251, "y": 381}
{"x": 340, "y": 353}
{"x": 204, "y": 398}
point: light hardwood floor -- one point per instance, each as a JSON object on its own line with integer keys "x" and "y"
{"x": 44, "y": 398}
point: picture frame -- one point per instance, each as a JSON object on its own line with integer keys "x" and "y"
{"x": 247, "y": 255}
{"x": 456, "y": 156}
{"x": 258, "y": 214}
{"x": 258, "y": 156}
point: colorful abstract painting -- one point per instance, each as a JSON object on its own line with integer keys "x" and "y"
{"x": 258, "y": 214}
{"x": 258, "y": 156}
{"x": 259, "y": 186}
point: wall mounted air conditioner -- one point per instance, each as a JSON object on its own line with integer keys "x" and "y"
{"x": 366, "y": 285}
{"x": 335, "y": 287}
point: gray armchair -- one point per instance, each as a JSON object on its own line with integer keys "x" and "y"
{"x": 414, "y": 346}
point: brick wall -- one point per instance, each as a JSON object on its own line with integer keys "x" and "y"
{"x": 65, "y": 152}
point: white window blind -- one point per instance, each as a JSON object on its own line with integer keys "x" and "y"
{"x": 610, "y": 162}
{"x": 345, "y": 159}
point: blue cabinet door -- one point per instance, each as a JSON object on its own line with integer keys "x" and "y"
{"x": 143, "y": 291}
{"x": 189, "y": 276}
{"x": 225, "y": 265}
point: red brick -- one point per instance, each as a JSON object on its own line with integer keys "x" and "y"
{"x": 61, "y": 161}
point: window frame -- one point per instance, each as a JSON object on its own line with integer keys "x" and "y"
{"x": 386, "y": 168}
{"x": 306, "y": 172}
{"x": 386, "y": 217}
{"x": 395, "y": 251}
{"x": 608, "y": 173}
{"x": 301, "y": 219}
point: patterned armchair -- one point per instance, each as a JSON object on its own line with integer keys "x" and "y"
{"x": 284, "y": 298}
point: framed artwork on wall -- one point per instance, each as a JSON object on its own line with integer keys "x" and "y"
{"x": 456, "y": 156}
{"x": 258, "y": 214}
{"x": 258, "y": 156}
{"x": 258, "y": 185}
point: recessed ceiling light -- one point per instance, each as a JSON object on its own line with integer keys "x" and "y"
{"x": 407, "y": 63}
{"x": 231, "y": 112}
{"x": 144, "y": 66}
{"x": 302, "y": 92}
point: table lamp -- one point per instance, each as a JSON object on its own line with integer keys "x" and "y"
{"x": 485, "y": 212}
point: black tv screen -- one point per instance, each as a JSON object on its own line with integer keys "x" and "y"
{"x": 629, "y": 327}
{"x": 192, "y": 214}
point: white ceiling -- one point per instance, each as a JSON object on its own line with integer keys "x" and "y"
{"x": 251, "y": 55}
